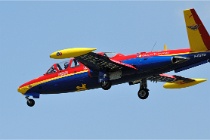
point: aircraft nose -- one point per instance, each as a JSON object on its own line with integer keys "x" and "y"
{"x": 23, "y": 90}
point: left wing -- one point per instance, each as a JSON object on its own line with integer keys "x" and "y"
{"x": 174, "y": 81}
{"x": 99, "y": 62}
{"x": 92, "y": 60}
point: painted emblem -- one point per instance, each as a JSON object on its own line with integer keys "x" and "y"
{"x": 194, "y": 27}
{"x": 190, "y": 16}
{"x": 80, "y": 88}
{"x": 58, "y": 53}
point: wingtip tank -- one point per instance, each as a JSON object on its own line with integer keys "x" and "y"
{"x": 183, "y": 85}
{"x": 70, "y": 52}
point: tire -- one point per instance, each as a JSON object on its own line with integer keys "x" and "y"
{"x": 30, "y": 102}
{"x": 106, "y": 85}
{"x": 143, "y": 93}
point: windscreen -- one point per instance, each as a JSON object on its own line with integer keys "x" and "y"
{"x": 51, "y": 70}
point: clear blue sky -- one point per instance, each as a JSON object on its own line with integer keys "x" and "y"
{"x": 30, "y": 31}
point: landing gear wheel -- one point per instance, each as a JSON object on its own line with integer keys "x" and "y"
{"x": 30, "y": 102}
{"x": 143, "y": 93}
{"x": 106, "y": 85}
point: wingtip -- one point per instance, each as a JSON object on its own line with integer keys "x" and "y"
{"x": 200, "y": 80}
{"x": 174, "y": 85}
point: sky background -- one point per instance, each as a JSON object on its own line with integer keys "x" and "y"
{"x": 30, "y": 31}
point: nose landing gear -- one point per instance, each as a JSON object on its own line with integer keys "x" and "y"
{"x": 30, "y": 102}
{"x": 143, "y": 92}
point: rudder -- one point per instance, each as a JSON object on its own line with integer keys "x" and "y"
{"x": 198, "y": 36}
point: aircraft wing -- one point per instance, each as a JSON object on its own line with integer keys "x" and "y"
{"x": 99, "y": 62}
{"x": 174, "y": 81}
{"x": 92, "y": 60}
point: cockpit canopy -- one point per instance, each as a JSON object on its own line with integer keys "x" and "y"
{"x": 62, "y": 66}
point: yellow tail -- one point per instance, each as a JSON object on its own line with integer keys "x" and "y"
{"x": 198, "y": 36}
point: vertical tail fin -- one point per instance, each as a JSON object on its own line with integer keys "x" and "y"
{"x": 198, "y": 36}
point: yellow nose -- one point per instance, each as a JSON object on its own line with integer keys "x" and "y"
{"x": 23, "y": 90}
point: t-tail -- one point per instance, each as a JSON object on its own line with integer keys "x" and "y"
{"x": 198, "y": 36}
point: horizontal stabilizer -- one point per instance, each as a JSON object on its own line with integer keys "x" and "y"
{"x": 70, "y": 52}
{"x": 183, "y": 83}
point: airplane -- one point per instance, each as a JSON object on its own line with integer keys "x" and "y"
{"x": 87, "y": 70}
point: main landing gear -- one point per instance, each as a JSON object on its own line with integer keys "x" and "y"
{"x": 143, "y": 92}
{"x": 106, "y": 85}
{"x": 104, "y": 81}
{"x": 30, "y": 102}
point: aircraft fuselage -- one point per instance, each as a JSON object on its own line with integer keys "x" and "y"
{"x": 82, "y": 78}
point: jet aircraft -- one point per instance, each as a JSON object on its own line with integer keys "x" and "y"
{"x": 89, "y": 70}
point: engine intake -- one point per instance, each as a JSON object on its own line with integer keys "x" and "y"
{"x": 179, "y": 59}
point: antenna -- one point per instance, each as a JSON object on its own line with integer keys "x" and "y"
{"x": 154, "y": 46}
{"x": 165, "y": 47}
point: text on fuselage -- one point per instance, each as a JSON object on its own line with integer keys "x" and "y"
{"x": 199, "y": 55}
